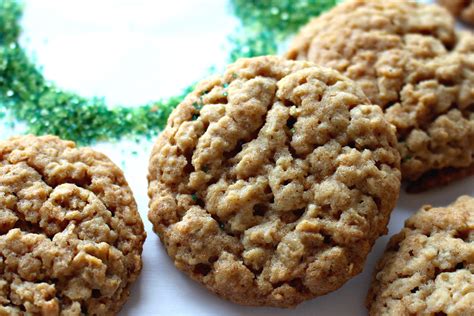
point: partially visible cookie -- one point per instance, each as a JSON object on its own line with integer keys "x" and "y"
{"x": 437, "y": 178}
{"x": 271, "y": 183}
{"x": 428, "y": 268}
{"x": 70, "y": 234}
{"x": 463, "y": 9}
{"x": 409, "y": 59}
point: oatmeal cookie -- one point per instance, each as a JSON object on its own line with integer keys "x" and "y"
{"x": 428, "y": 268}
{"x": 271, "y": 183}
{"x": 463, "y": 9}
{"x": 409, "y": 59}
{"x": 70, "y": 234}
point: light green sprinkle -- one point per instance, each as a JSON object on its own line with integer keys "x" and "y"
{"x": 46, "y": 109}
{"x": 266, "y": 23}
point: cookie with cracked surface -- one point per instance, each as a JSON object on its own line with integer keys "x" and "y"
{"x": 409, "y": 59}
{"x": 463, "y": 9}
{"x": 271, "y": 183}
{"x": 70, "y": 234}
{"x": 428, "y": 268}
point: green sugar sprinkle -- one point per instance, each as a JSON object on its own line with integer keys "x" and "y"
{"x": 197, "y": 106}
{"x": 266, "y": 23}
{"x": 46, "y": 109}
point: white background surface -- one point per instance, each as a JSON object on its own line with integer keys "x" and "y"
{"x": 132, "y": 52}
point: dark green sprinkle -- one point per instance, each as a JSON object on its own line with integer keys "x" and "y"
{"x": 194, "y": 197}
{"x": 405, "y": 159}
{"x": 197, "y": 106}
{"x": 222, "y": 226}
{"x": 195, "y": 117}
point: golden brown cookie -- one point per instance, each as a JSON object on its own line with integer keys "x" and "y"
{"x": 70, "y": 234}
{"x": 463, "y": 9}
{"x": 428, "y": 268}
{"x": 271, "y": 182}
{"x": 409, "y": 59}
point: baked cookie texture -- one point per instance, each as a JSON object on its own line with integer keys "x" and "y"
{"x": 428, "y": 268}
{"x": 271, "y": 183}
{"x": 70, "y": 234}
{"x": 463, "y": 9}
{"x": 409, "y": 59}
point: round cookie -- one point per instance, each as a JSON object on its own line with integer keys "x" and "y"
{"x": 70, "y": 234}
{"x": 428, "y": 268}
{"x": 460, "y": 8}
{"x": 271, "y": 183}
{"x": 409, "y": 59}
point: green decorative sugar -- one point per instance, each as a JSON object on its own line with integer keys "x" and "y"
{"x": 283, "y": 17}
{"x": 47, "y": 109}
{"x": 266, "y": 23}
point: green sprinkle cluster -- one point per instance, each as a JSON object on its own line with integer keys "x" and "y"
{"x": 266, "y": 23}
{"x": 29, "y": 97}
{"x": 49, "y": 110}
